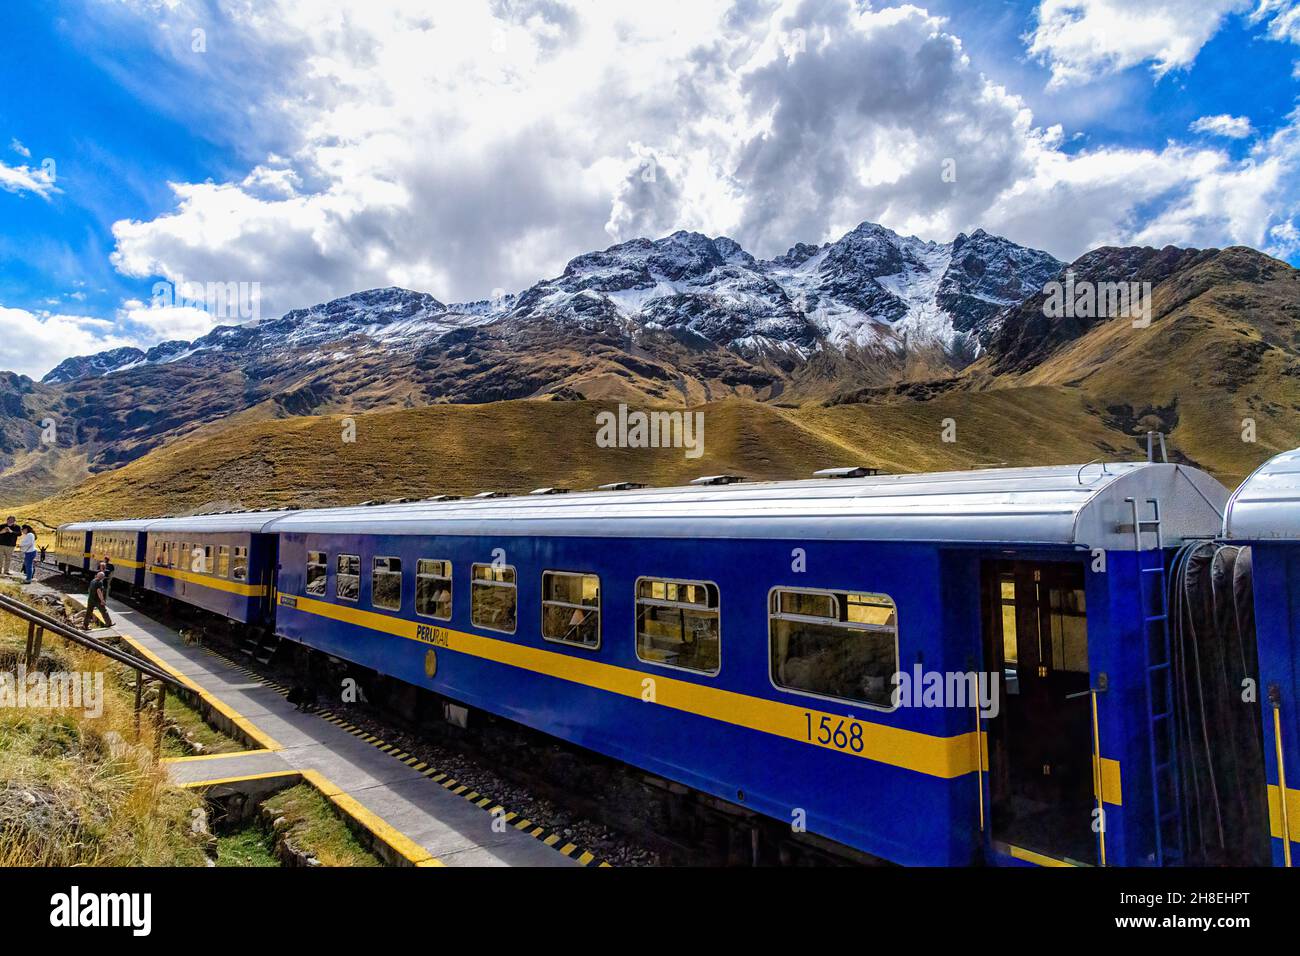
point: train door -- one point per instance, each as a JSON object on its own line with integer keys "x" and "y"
{"x": 1040, "y": 746}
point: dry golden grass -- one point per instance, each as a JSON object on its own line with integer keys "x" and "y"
{"x": 518, "y": 446}
{"x": 78, "y": 790}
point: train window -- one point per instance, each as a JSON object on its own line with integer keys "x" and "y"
{"x": 347, "y": 577}
{"x": 239, "y": 564}
{"x": 493, "y": 598}
{"x": 837, "y": 644}
{"x": 571, "y": 608}
{"x": 433, "y": 588}
{"x": 317, "y": 572}
{"x": 209, "y": 564}
{"x": 386, "y": 584}
{"x": 677, "y": 624}
{"x": 1069, "y": 627}
{"x": 223, "y": 561}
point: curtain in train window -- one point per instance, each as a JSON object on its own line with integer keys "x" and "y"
{"x": 222, "y": 569}
{"x": 317, "y": 572}
{"x": 837, "y": 644}
{"x": 386, "y": 584}
{"x": 433, "y": 588}
{"x": 571, "y": 608}
{"x": 677, "y": 624}
{"x": 347, "y": 577}
{"x": 493, "y": 599}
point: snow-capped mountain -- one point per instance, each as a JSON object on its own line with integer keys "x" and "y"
{"x": 870, "y": 287}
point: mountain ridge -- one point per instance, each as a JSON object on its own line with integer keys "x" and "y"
{"x": 850, "y": 291}
{"x": 873, "y": 318}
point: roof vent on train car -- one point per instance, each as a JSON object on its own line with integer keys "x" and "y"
{"x": 549, "y": 491}
{"x": 718, "y": 480}
{"x": 853, "y": 471}
{"x": 401, "y": 501}
{"x": 443, "y": 498}
{"x": 488, "y": 494}
{"x": 620, "y": 486}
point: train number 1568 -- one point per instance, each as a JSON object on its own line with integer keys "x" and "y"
{"x": 842, "y": 734}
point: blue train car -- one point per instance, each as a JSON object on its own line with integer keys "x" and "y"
{"x": 934, "y": 669}
{"x": 1264, "y": 514}
{"x": 223, "y": 563}
{"x": 71, "y": 550}
{"x": 121, "y": 544}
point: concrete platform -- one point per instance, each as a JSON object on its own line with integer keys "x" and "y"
{"x": 451, "y": 829}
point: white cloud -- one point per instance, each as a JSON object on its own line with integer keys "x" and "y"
{"x": 19, "y": 148}
{"x": 20, "y": 179}
{"x": 1283, "y": 17}
{"x": 1083, "y": 39}
{"x": 1080, "y": 40}
{"x": 162, "y": 323}
{"x": 1233, "y": 127}
{"x": 457, "y": 149}
{"x": 35, "y": 342}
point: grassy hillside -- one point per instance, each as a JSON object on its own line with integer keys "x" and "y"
{"x": 521, "y": 445}
{"x": 1224, "y": 347}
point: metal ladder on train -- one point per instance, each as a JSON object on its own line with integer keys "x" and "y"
{"x": 1153, "y": 582}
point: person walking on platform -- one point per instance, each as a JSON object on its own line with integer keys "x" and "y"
{"x": 9, "y": 532}
{"x": 96, "y": 600}
{"x": 27, "y": 545}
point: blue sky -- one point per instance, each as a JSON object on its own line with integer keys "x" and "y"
{"x": 313, "y": 150}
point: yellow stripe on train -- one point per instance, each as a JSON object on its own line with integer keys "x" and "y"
{"x": 208, "y": 581}
{"x": 945, "y": 757}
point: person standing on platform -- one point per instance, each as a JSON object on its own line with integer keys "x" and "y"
{"x": 107, "y": 566}
{"x": 27, "y": 545}
{"x": 9, "y": 532}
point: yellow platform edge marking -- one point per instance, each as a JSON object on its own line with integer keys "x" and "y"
{"x": 382, "y": 830}
{"x": 219, "y": 781}
{"x": 428, "y": 772}
{"x": 254, "y": 733}
{"x": 225, "y": 756}
{"x": 379, "y": 828}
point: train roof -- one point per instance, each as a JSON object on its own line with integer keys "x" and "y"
{"x": 129, "y": 524}
{"x": 1075, "y": 505}
{"x": 1266, "y": 506}
{"x": 231, "y": 522}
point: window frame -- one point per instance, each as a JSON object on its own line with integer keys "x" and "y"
{"x": 600, "y": 617}
{"x": 335, "y": 594}
{"x": 636, "y": 615}
{"x": 473, "y": 582}
{"x": 451, "y": 591}
{"x": 306, "y": 580}
{"x": 237, "y": 551}
{"x": 401, "y": 576}
{"x": 868, "y": 628}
